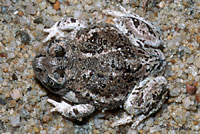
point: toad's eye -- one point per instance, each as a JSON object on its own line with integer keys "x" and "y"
{"x": 51, "y": 83}
{"x": 55, "y": 49}
{"x": 54, "y": 85}
{"x": 39, "y": 70}
{"x": 59, "y": 51}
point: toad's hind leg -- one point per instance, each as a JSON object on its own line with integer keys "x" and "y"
{"x": 65, "y": 24}
{"x": 139, "y": 31}
{"x": 144, "y": 100}
{"x": 72, "y": 112}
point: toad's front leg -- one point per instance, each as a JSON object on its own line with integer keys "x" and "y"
{"x": 72, "y": 112}
{"x": 144, "y": 100}
{"x": 65, "y": 24}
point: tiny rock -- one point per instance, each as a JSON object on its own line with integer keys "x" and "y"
{"x": 12, "y": 103}
{"x": 188, "y": 103}
{"x": 89, "y": 2}
{"x": 197, "y": 62}
{"x": 198, "y": 38}
{"x": 197, "y": 97}
{"x": 190, "y": 89}
{"x": 20, "y": 13}
{"x": 25, "y": 38}
{"x": 15, "y": 120}
{"x": 52, "y": 1}
{"x": 30, "y": 9}
{"x": 16, "y": 94}
{"x": 109, "y": 20}
{"x": 2, "y": 101}
{"x": 2, "y": 54}
{"x": 56, "y": 5}
{"x": 46, "y": 118}
{"x": 36, "y": 129}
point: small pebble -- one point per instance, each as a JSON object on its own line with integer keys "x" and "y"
{"x": 38, "y": 20}
{"x": 1, "y": 78}
{"x": 198, "y": 39}
{"x": 154, "y": 129}
{"x": 20, "y": 13}
{"x": 179, "y": 115}
{"x": 190, "y": 89}
{"x": 130, "y": 131}
{"x": 14, "y": 77}
{"x": 109, "y": 20}
{"x": 56, "y": 5}
{"x": 197, "y": 62}
{"x": 43, "y": 5}
{"x": 29, "y": 88}
{"x": 42, "y": 93}
{"x": 3, "y": 9}
{"x": 43, "y": 132}
{"x": 15, "y": 120}
{"x": 2, "y": 102}
{"x": 52, "y": 1}
{"x": 50, "y": 10}
{"x": 25, "y": 38}
{"x": 161, "y": 4}
{"x": 149, "y": 122}
{"x": 12, "y": 103}
{"x": 188, "y": 103}
{"x": 46, "y": 118}
{"x": 36, "y": 129}
{"x": 89, "y": 2}
{"x": 125, "y": 2}
{"x": 3, "y": 54}
{"x": 174, "y": 92}
{"x": 24, "y": 113}
{"x": 16, "y": 94}
{"x": 1, "y": 125}
{"x": 190, "y": 59}
{"x": 39, "y": 1}
{"x": 30, "y": 9}
{"x": 197, "y": 97}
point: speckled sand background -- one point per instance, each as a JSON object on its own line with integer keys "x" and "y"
{"x": 23, "y": 106}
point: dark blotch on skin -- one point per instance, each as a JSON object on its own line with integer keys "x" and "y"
{"x": 150, "y": 30}
{"x": 58, "y": 23}
{"x": 76, "y": 111}
{"x": 73, "y": 20}
{"x": 136, "y": 22}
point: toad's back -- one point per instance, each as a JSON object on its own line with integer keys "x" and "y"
{"x": 100, "y": 66}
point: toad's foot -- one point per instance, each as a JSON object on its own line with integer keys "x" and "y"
{"x": 124, "y": 120}
{"x": 65, "y": 24}
{"x": 72, "y": 112}
{"x": 129, "y": 119}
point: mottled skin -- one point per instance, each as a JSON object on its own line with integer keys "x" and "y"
{"x": 104, "y": 66}
{"x": 100, "y": 66}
